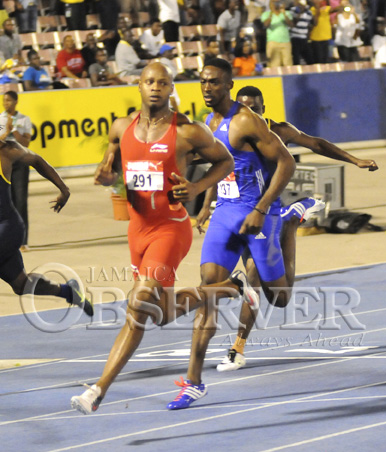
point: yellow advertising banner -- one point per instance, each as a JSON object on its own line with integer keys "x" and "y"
{"x": 70, "y": 127}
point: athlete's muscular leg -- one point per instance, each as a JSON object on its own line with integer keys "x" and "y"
{"x": 205, "y": 322}
{"x": 132, "y": 331}
{"x": 148, "y": 298}
{"x": 34, "y": 283}
{"x": 288, "y": 245}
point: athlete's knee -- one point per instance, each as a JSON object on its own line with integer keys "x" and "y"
{"x": 279, "y": 298}
{"x": 210, "y": 276}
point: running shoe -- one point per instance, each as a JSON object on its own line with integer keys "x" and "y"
{"x": 303, "y": 209}
{"x": 246, "y": 290}
{"x": 233, "y": 361}
{"x": 188, "y": 394}
{"x": 79, "y": 299}
{"x": 89, "y": 401}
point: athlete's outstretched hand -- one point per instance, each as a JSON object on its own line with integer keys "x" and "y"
{"x": 370, "y": 164}
{"x": 60, "y": 201}
{"x": 201, "y": 218}
{"x": 104, "y": 174}
{"x": 184, "y": 190}
{"x": 253, "y": 223}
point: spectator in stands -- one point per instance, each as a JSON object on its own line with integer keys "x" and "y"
{"x": 127, "y": 59}
{"x": 75, "y": 13}
{"x": 35, "y": 78}
{"x": 207, "y": 15}
{"x": 167, "y": 57}
{"x": 379, "y": 39}
{"x": 108, "y": 12}
{"x": 303, "y": 22}
{"x": 153, "y": 38}
{"x": 26, "y": 13}
{"x": 10, "y": 42}
{"x": 69, "y": 61}
{"x": 218, "y": 7}
{"x": 111, "y": 38}
{"x": 169, "y": 15}
{"x": 193, "y": 14}
{"x": 101, "y": 73}
{"x": 228, "y": 25}
{"x": 88, "y": 51}
{"x": 347, "y": 33}
{"x": 244, "y": 65}
{"x": 321, "y": 34}
{"x": 212, "y": 49}
{"x": 278, "y": 22}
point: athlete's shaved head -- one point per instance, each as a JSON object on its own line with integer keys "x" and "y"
{"x": 250, "y": 91}
{"x": 156, "y": 86}
{"x": 157, "y": 69}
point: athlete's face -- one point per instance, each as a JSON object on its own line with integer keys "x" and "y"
{"x": 254, "y": 103}
{"x": 156, "y": 86}
{"x": 215, "y": 85}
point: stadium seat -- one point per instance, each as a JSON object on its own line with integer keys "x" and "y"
{"x": 189, "y": 48}
{"x": 47, "y": 23}
{"x": 208, "y": 30}
{"x": 11, "y": 87}
{"x": 144, "y": 18}
{"x": 272, "y": 71}
{"x": 190, "y": 63}
{"x": 48, "y": 39}
{"x": 62, "y": 24}
{"x": 29, "y": 41}
{"x": 93, "y": 21}
{"x": 77, "y": 83}
{"x": 366, "y": 52}
{"x": 190, "y": 32}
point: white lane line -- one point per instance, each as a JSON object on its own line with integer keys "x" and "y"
{"x": 208, "y": 407}
{"x": 171, "y": 392}
{"x": 321, "y": 438}
{"x": 233, "y": 380}
{"x": 210, "y": 418}
{"x": 250, "y": 358}
{"x": 188, "y": 341}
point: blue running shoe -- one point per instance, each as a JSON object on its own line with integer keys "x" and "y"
{"x": 303, "y": 209}
{"x": 188, "y": 394}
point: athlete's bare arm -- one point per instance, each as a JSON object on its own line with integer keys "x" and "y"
{"x": 15, "y": 152}
{"x": 290, "y": 134}
{"x": 197, "y": 138}
{"x": 107, "y": 171}
{"x": 250, "y": 128}
{"x": 204, "y": 213}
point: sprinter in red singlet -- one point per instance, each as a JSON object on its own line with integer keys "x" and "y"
{"x": 156, "y": 147}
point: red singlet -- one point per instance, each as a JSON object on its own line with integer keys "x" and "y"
{"x": 160, "y": 233}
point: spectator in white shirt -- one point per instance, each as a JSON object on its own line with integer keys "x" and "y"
{"x": 128, "y": 62}
{"x": 380, "y": 58}
{"x": 379, "y": 39}
{"x": 153, "y": 37}
{"x": 169, "y": 15}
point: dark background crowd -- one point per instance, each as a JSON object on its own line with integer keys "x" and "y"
{"x": 76, "y": 43}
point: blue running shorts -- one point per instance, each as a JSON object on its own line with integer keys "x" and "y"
{"x": 223, "y": 245}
